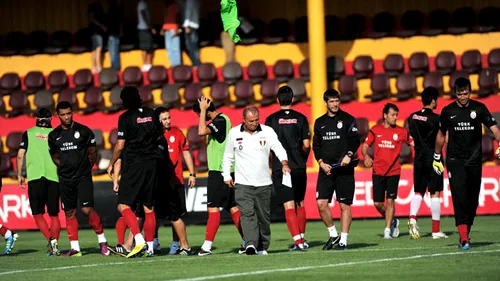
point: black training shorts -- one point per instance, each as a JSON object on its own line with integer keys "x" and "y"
{"x": 298, "y": 190}
{"x": 43, "y": 192}
{"x": 385, "y": 186}
{"x": 138, "y": 182}
{"x": 219, "y": 194}
{"x": 425, "y": 178}
{"x": 341, "y": 181}
{"x": 74, "y": 190}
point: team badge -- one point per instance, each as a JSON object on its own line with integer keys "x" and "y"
{"x": 263, "y": 142}
{"x": 340, "y": 124}
{"x": 240, "y": 147}
{"x": 473, "y": 114}
{"x": 172, "y": 139}
{"x": 395, "y": 137}
{"x": 77, "y": 135}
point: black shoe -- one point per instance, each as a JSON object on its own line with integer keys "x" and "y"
{"x": 119, "y": 250}
{"x": 341, "y": 247}
{"x": 250, "y": 250}
{"x": 204, "y": 253}
{"x": 183, "y": 252}
{"x": 332, "y": 241}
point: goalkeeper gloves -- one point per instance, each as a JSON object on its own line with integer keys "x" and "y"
{"x": 437, "y": 165}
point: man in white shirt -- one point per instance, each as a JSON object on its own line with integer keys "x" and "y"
{"x": 249, "y": 145}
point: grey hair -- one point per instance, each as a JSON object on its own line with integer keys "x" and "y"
{"x": 252, "y": 109}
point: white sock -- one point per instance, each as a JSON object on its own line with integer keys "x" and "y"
{"x": 436, "y": 208}
{"x": 302, "y": 235}
{"x": 207, "y": 245}
{"x": 150, "y": 246}
{"x": 416, "y": 201}
{"x": 75, "y": 245}
{"x": 343, "y": 238}
{"x": 139, "y": 239}
{"x": 156, "y": 242}
{"x": 387, "y": 230}
{"x": 8, "y": 234}
{"x": 333, "y": 231}
{"x": 101, "y": 238}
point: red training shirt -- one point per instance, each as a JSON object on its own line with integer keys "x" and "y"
{"x": 387, "y": 146}
{"x": 176, "y": 145}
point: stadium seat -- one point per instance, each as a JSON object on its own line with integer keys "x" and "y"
{"x": 257, "y": 71}
{"x": 382, "y": 25}
{"x": 113, "y": 136}
{"x": 202, "y": 159}
{"x": 380, "y": 87}
{"x": 278, "y": 31}
{"x": 434, "y": 79}
{"x": 232, "y": 72}
{"x": 99, "y": 138}
{"x": 363, "y": 66}
{"x": 283, "y": 70}
{"x": 5, "y": 165}
{"x": 269, "y": 91}
{"x": 191, "y": 94}
{"x": 207, "y": 74}
{"x": 244, "y": 93}
{"x": 494, "y": 59}
{"x": 300, "y": 28}
{"x": 61, "y": 40}
{"x": 82, "y": 42}
{"x": 116, "y": 101}
{"x": 157, "y": 76}
{"x": 438, "y": 21}
{"x": 446, "y": 62}
{"x": 254, "y": 35}
{"x": 34, "y": 81}
{"x": 108, "y": 78}
{"x": 471, "y": 61}
{"x": 145, "y": 94}
{"x": 44, "y": 99}
{"x": 405, "y": 154}
{"x": 83, "y": 79}
{"x": 299, "y": 89}
{"x": 453, "y": 78}
{"x": 304, "y": 70}
{"x": 57, "y": 80}
{"x": 394, "y": 65}
{"x": 194, "y": 140}
{"x": 335, "y": 68}
{"x": 332, "y": 27}
{"x": 363, "y": 128}
{"x": 412, "y": 22}
{"x": 419, "y": 63}
{"x": 19, "y": 103}
{"x": 488, "y": 19}
{"x": 132, "y": 76}
{"x": 15, "y": 42}
{"x": 462, "y": 21}
{"x": 69, "y": 95}
{"x": 348, "y": 88}
{"x": 93, "y": 99}
{"x": 407, "y": 86}
{"x": 170, "y": 96}
{"x": 219, "y": 92}
{"x": 488, "y": 82}
{"x": 9, "y": 83}
{"x": 13, "y": 141}
{"x": 37, "y": 41}
{"x": 354, "y": 26}
{"x": 488, "y": 154}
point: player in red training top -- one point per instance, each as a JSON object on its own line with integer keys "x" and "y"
{"x": 387, "y": 139}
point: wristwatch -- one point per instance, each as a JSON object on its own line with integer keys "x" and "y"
{"x": 349, "y": 154}
{"x": 193, "y": 175}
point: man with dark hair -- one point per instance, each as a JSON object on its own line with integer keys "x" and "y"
{"x": 462, "y": 120}
{"x": 335, "y": 142}
{"x": 292, "y": 129}
{"x": 73, "y": 149}
{"x": 218, "y": 194}
{"x": 424, "y": 126}
{"x": 387, "y": 139}
{"x": 249, "y": 146}
{"x": 137, "y": 139}
{"x": 43, "y": 184}
{"x": 10, "y": 236}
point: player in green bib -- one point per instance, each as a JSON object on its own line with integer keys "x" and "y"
{"x": 43, "y": 182}
{"x": 218, "y": 193}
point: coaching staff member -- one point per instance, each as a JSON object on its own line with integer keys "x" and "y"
{"x": 463, "y": 120}
{"x": 249, "y": 146}
{"x": 335, "y": 142}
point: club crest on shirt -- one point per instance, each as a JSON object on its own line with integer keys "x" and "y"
{"x": 340, "y": 124}
{"x": 395, "y": 137}
{"x": 473, "y": 114}
{"x": 77, "y": 135}
{"x": 240, "y": 147}
{"x": 172, "y": 139}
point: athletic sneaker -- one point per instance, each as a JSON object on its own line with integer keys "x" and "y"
{"x": 299, "y": 247}
{"x": 439, "y": 235}
{"x": 263, "y": 252}
{"x": 104, "y": 249}
{"x": 147, "y": 254}
{"x": 137, "y": 250}
{"x": 184, "y": 252}
{"x": 341, "y": 247}
{"x": 332, "y": 241}
{"x": 54, "y": 247}
{"x": 306, "y": 246}
{"x": 464, "y": 245}
{"x": 395, "y": 228}
{"x": 119, "y": 250}
{"x": 387, "y": 234}
{"x": 73, "y": 253}
{"x": 250, "y": 250}
{"x": 242, "y": 250}
{"x": 413, "y": 229}
{"x": 204, "y": 252}
{"x": 10, "y": 242}
{"x": 173, "y": 248}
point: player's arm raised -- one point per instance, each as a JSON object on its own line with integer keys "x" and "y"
{"x": 203, "y": 129}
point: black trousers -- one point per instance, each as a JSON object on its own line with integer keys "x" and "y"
{"x": 465, "y": 185}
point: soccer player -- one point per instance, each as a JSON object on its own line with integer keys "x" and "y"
{"x": 387, "y": 139}
{"x": 292, "y": 129}
{"x": 73, "y": 149}
{"x": 424, "y": 126}
{"x": 137, "y": 139}
{"x": 43, "y": 182}
{"x": 10, "y": 236}
{"x": 176, "y": 144}
{"x": 335, "y": 142}
{"x": 462, "y": 120}
{"x": 218, "y": 194}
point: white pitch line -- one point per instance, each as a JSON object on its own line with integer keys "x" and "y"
{"x": 260, "y": 272}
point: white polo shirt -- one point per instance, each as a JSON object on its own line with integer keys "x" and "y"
{"x": 250, "y": 153}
